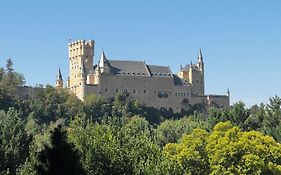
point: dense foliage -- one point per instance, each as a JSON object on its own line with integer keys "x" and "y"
{"x": 56, "y": 132}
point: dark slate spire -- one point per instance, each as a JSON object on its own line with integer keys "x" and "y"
{"x": 59, "y": 76}
{"x": 200, "y": 56}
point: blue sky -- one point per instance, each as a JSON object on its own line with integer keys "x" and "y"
{"x": 240, "y": 40}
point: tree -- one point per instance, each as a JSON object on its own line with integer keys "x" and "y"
{"x": 170, "y": 131}
{"x": 227, "y": 150}
{"x": 60, "y": 158}
{"x": 13, "y": 140}
{"x": 190, "y": 153}
{"x": 232, "y": 151}
{"x": 96, "y": 107}
{"x": 9, "y": 79}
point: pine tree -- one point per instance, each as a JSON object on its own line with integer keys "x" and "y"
{"x": 59, "y": 158}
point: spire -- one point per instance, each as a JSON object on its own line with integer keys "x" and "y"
{"x": 200, "y": 56}
{"x": 59, "y": 76}
{"x": 228, "y": 92}
{"x": 181, "y": 68}
{"x": 103, "y": 60}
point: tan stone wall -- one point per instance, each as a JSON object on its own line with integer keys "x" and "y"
{"x": 197, "y": 82}
{"x": 151, "y": 91}
{"x": 222, "y": 101}
{"x": 26, "y": 92}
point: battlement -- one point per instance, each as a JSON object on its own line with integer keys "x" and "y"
{"x": 81, "y": 42}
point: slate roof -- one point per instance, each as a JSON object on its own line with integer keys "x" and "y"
{"x": 138, "y": 68}
{"x": 120, "y": 67}
{"x": 159, "y": 71}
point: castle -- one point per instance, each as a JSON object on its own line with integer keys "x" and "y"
{"x": 153, "y": 85}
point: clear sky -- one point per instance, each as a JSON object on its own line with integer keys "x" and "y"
{"x": 240, "y": 39}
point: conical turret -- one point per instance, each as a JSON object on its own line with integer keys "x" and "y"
{"x": 59, "y": 80}
{"x": 200, "y": 60}
{"x": 103, "y": 63}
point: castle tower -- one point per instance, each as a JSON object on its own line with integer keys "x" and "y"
{"x": 59, "y": 80}
{"x": 91, "y": 77}
{"x": 200, "y": 61}
{"x": 97, "y": 75}
{"x": 82, "y": 77}
{"x": 80, "y": 51}
{"x": 190, "y": 74}
{"x": 201, "y": 68}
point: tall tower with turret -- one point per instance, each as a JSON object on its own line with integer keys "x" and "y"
{"x": 59, "y": 80}
{"x": 200, "y": 65}
{"x": 80, "y": 52}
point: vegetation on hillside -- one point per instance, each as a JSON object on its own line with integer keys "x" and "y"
{"x": 58, "y": 134}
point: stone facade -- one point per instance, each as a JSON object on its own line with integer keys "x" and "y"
{"x": 152, "y": 85}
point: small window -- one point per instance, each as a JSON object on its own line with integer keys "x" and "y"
{"x": 105, "y": 90}
{"x": 125, "y": 90}
{"x": 116, "y": 90}
{"x": 144, "y": 91}
{"x": 134, "y": 91}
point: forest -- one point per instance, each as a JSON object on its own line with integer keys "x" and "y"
{"x": 56, "y": 133}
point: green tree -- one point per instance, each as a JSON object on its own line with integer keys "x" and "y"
{"x": 96, "y": 107}
{"x": 232, "y": 151}
{"x": 13, "y": 140}
{"x": 190, "y": 153}
{"x": 170, "y": 131}
{"x": 60, "y": 158}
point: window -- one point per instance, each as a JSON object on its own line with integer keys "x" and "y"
{"x": 105, "y": 90}
{"x": 125, "y": 90}
{"x": 144, "y": 91}
{"x": 134, "y": 91}
{"x": 116, "y": 90}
